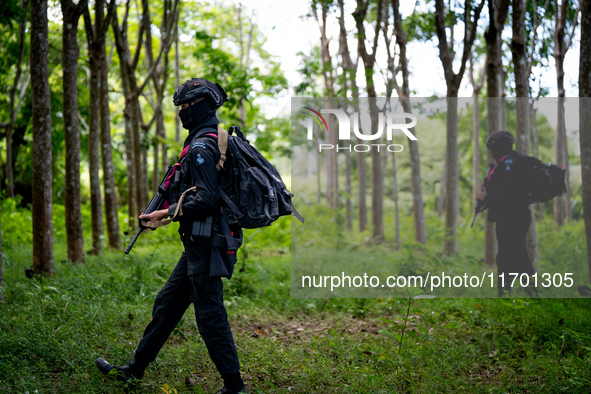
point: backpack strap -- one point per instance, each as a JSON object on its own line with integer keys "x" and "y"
{"x": 223, "y": 145}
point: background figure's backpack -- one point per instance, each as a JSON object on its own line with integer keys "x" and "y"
{"x": 545, "y": 181}
{"x": 251, "y": 188}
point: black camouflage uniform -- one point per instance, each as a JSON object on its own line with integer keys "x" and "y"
{"x": 507, "y": 199}
{"x": 190, "y": 281}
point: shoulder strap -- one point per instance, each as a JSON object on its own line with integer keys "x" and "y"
{"x": 223, "y": 145}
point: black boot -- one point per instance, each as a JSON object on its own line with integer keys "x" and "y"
{"x": 224, "y": 390}
{"x": 128, "y": 373}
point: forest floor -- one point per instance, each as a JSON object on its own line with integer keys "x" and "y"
{"x": 52, "y": 329}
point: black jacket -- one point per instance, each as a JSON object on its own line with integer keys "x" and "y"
{"x": 507, "y": 196}
{"x": 198, "y": 169}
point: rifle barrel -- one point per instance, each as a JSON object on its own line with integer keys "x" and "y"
{"x": 137, "y": 234}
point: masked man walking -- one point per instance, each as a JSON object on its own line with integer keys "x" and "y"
{"x": 192, "y": 200}
{"x": 507, "y": 198}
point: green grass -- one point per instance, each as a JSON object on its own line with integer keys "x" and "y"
{"x": 52, "y": 329}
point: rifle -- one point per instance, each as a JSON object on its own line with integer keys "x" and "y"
{"x": 481, "y": 205}
{"x": 155, "y": 204}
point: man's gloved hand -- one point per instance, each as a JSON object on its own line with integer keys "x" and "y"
{"x": 155, "y": 216}
{"x": 479, "y": 196}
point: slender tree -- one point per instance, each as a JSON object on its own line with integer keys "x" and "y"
{"x": 74, "y": 234}
{"x": 349, "y": 70}
{"x": 369, "y": 60}
{"x": 418, "y": 206}
{"x": 453, "y": 81}
{"x": 331, "y": 162}
{"x": 109, "y": 190}
{"x": 562, "y": 207}
{"x": 497, "y": 11}
{"x": 99, "y": 126}
{"x": 42, "y": 160}
{"x": 159, "y": 80}
{"x": 585, "y": 120}
{"x": 523, "y": 118}
{"x": 345, "y": 80}
{"x": 133, "y": 88}
{"x": 476, "y": 88}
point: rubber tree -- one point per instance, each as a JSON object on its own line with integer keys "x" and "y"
{"x": 403, "y": 91}
{"x": 562, "y": 207}
{"x": 497, "y": 11}
{"x": 453, "y": 81}
{"x": 70, "y": 52}
{"x": 585, "y": 120}
{"x": 42, "y": 149}
{"x": 369, "y": 59}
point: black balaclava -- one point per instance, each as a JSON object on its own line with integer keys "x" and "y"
{"x": 196, "y": 114}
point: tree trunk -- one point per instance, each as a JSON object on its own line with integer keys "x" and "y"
{"x": 476, "y": 183}
{"x": 132, "y": 202}
{"x": 331, "y": 161}
{"x": 585, "y": 121}
{"x": 377, "y": 172}
{"x": 70, "y": 54}
{"x": 452, "y": 198}
{"x": 349, "y": 70}
{"x": 561, "y": 203}
{"x": 498, "y": 13}
{"x": 395, "y": 198}
{"x": 453, "y": 81}
{"x": 442, "y": 188}
{"x": 377, "y": 180}
{"x": 348, "y": 188}
{"x": 522, "y": 126}
{"x": 418, "y": 206}
{"x": 534, "y": 127}
{"x": 107, "y": 156}
{"x": 94, "y": 163}
{"x": 42, "y": 151}
{"x": 13, "y": 110}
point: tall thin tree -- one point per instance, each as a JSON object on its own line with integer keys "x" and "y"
{"x": 369, "y": 59}
{"x": 497, "y": 11}
{"x": 562, "y": 206}
{"x": 70, "y": 51}
{"x": 418, "y": 206}
{"x": 523, "y": 118}
{"x": 95, "y": 35}
{"x": 453, "y": 81}
{"x": 42, "y": 151}
{"x": 477, "y": 85}
{"x": 585, "y": 120}
{"x": 350, "y": 69}
{"x": 133, "y": 88}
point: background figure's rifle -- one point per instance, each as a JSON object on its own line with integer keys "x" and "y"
{"x": 481, "y": 205}
{"x": 154, "y": 205}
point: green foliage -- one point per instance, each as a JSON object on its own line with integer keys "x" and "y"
{"x": 53, "y": 328}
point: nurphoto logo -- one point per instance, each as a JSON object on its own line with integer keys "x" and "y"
{"x": 387, "y": 123}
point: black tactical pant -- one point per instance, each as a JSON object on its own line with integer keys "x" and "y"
{"x": 512, "y": 254}
{"x": 212, "y": 320}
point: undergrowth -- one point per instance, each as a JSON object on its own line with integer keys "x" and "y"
{"x": 51, "y": 329}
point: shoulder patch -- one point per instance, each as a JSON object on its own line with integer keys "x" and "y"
{"x": 198, "y": 144}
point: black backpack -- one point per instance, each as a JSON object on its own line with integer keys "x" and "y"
{"x": 545, "y": 181}
{"x": 253, "y": 192}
